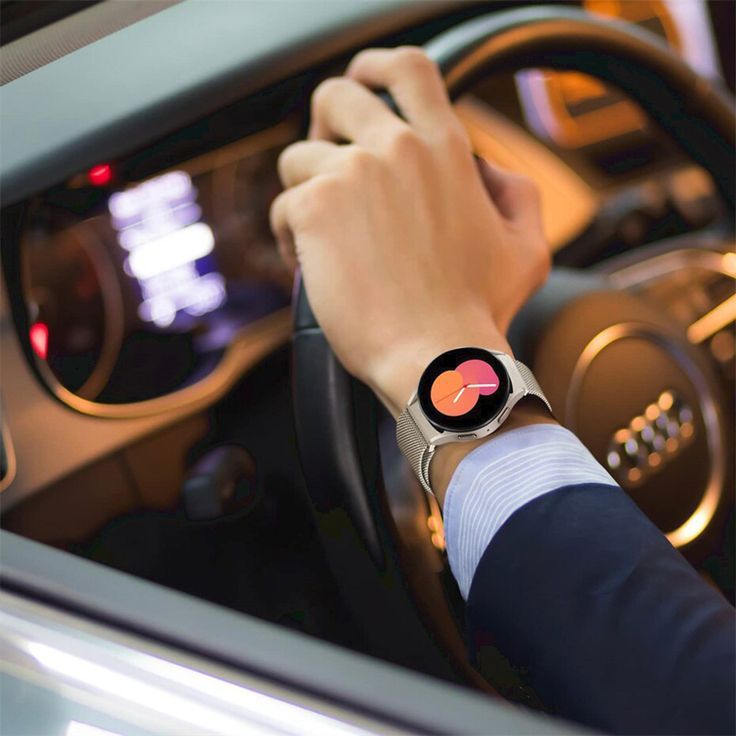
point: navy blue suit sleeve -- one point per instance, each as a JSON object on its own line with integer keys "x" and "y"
{"x": 615, "y": 627}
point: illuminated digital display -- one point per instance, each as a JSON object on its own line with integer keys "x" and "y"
{"x": 169, "y": 248}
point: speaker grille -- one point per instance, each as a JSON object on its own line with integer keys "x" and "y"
{"x": 53, "y": 42}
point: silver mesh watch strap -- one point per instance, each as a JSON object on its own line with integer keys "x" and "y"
{"x": 417, "y": 450}
{"x": 532, "y": 387}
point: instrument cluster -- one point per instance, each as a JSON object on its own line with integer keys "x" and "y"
{"x": 135, "y": 289}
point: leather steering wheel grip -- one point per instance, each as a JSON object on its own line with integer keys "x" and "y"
{"x": 695, "y": 114}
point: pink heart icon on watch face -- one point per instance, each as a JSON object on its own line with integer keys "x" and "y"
{"x": 456, "y": 392}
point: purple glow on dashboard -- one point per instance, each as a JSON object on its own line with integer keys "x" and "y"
{"x": 158, "y": 224}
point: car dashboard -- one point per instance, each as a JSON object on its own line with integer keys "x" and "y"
{"x": 146, "y": 312}
{"x": 135, "y": 292}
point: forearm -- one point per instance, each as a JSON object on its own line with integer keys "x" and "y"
{"x": 615, "y": 628}
{"x": 573, "y": 583}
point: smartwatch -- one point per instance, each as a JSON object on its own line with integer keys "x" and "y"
{"x": 463, "y": 394}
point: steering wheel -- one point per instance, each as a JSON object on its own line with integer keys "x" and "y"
{"x": 616, "y": 370}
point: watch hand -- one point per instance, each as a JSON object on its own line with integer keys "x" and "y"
{"x": 446, "y": 396}
{"x": 470, "y": 385}
{"x": 459, "y": 394}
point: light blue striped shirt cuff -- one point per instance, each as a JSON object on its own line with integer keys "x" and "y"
{"x": 500, "y": 477}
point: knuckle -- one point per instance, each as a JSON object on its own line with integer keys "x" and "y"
{"x": 359, "y": 161}
{"x": 326, "y": 91}
{"x": 278, "y": 214}
{"x": 404, "y": 142}
{"x": 454, "y": 137}
{"x": 318, "y": 197}
{"x": 274, "y": 212}
{"x": 282, "y": 163}
{"x": 286, "y": 158}
{"x": 362, "y": 57}
{"x": 415, "y": 60}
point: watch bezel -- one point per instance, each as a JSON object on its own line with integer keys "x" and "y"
{"x": 486, "y": 411}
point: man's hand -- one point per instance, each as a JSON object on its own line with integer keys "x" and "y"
{"x": 407, "y": 246}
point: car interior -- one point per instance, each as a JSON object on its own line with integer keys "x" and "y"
{"x": 170, "y": 407}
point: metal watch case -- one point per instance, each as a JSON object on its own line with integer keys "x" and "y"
{"x": 437, "y": 437}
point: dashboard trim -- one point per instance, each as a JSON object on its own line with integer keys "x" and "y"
{"x": 10, "y": 460}
{"x": 666, "y": 263}
{"x": 249, "y": 345}
{"x": 102, "y": 101}
{"x": 282, "y": 661}
{"x": 112, "y": 299}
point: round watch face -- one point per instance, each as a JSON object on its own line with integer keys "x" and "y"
{"x": 463, "y": 389}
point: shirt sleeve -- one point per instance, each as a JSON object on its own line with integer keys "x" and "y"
{"x": 502, "y": 475}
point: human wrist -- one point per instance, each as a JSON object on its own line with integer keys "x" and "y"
{"x": 446, "y": 458}
{"x": 395, "y": 378}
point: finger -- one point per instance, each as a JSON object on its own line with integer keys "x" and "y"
{"x": 345, "y": 110}
{"x": 281, "y": 226}
{"x": 413, "y": 80}
{"x": 301, "y": 161}
{"x": 515, "y": 196}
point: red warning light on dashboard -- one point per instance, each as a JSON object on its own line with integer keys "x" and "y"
{"x": 100, "y": 175}
{"x": 39, "y": 335}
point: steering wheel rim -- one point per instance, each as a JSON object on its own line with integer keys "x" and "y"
{"x": 336, "y": 417}
{"x": 695, "y": 114}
